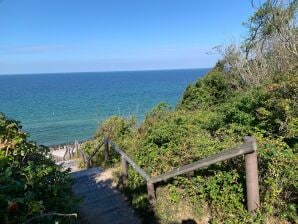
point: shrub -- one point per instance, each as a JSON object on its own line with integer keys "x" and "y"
{"x": 30, "y": 182}
{"x": 212, "y": 89}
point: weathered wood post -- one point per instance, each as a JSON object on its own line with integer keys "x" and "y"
{"x": 89, "y": 162}
{"x": 252, "y": 180}
{"x": 77, "y": 148}
{"x": 69, "y": 151}
{"x": 106, "y": 149}
{"x": 65, "y": 153}
{"x": 124, "y": 171}
{"x": 151, "y": 193}
{"x": 73, "y": 147}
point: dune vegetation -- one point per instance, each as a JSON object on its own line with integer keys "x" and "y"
{"x": 252, "y": 91}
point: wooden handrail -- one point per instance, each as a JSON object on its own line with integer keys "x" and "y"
{"x": 84, "y": 156}
{"x": 248, "y": 148}
{"x": 130, "y": 161}
{"x": 97, "y": 148}
{"x": 221, "y": 156}
{"x": 88, "y": 159}
{"x": 66, "y": 151}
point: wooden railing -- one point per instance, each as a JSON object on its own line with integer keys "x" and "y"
{"x": 87, "y": 160}
{"x": 248, "y": 149}
{"x": 71, "y": 152}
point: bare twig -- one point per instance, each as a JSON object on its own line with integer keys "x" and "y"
{"x": 51, "y": 214}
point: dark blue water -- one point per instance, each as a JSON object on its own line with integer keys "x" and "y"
{"x": 59, "y": 108}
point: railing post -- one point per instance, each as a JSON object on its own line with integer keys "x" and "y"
{"x": 73, "y": 148}
{"x": 252, "y": 180}
{"x": 83, "y": 158}
{"x": 89, "y": 162}
{"x": 77, "y": 148}
{"x": 151, "y": 193}
{"x": 69, "y": 151}
{"x": 124, "y": 172}
{"x": 65, "y": 154}
{"x": 106, "y": 150}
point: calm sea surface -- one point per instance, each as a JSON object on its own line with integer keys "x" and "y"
{"x": 60, "y": 108}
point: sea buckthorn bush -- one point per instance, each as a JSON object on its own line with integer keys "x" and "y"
{"x": 31, "y": 184}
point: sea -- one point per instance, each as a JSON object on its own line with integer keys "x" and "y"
{"x": 64, "y": 107}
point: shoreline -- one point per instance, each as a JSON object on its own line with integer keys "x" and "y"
{"x": 62, "y": 145}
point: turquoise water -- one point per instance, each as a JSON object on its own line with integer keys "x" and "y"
{"x": 60, "y": 108}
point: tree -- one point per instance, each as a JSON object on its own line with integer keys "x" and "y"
{"x": 273, "y": 21}
{"x": 270, "y": 47}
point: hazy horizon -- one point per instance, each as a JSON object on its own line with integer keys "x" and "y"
{"x": 74, "y": 72}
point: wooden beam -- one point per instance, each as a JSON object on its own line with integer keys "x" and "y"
{"x": 69, "y": 151}
{"x": 77, "y": 148}
{"x": 252, "y": 180}
{"x": 89, "y": 162}
{"x": 124, "y": 171}
{"x": 97, "y": 148}
{"x": 83, "y": 155}
{"x": 151, "y": 193}
{"x": 221, "y": 156}
{"x": 130, "y": 161}
{"x": 106, "y": 150}
{"x": 66, "y": 150}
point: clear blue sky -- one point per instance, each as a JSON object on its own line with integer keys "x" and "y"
{"x": 44, "y": 36}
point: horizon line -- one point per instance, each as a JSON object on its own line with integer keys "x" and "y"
{"x": 133, "y": 70}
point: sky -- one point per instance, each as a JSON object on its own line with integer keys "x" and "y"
{"x": 49, "y": 36}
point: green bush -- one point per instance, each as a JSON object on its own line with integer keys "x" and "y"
{"x": 214, "y": 114}
{"x": 212, "y": 89}
{"x": 30, "y": 182}
{"x": 170, "y": 138}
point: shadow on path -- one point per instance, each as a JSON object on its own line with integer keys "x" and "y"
{"x": 101, "y": 203}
